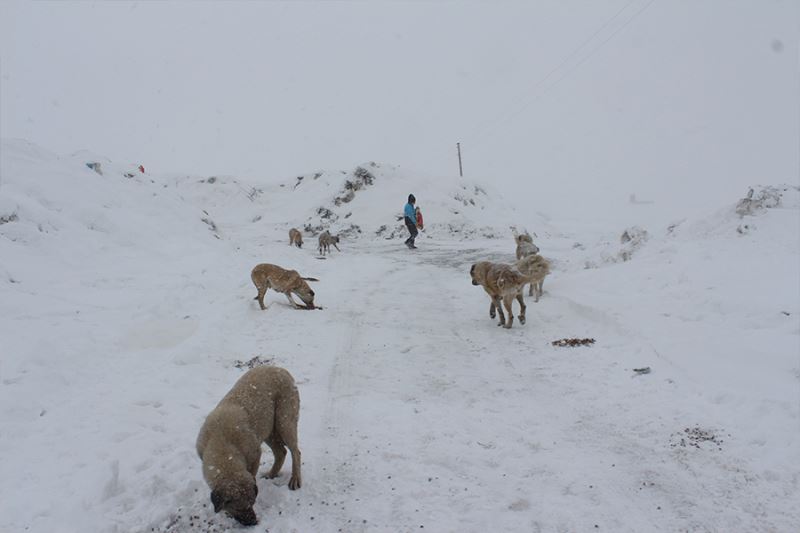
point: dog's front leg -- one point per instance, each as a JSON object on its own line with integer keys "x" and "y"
{"x": 279, "y": 453}
{"x": 531, "y": 290}
{"x": 522, "y": 308}
{"x": 507, "y": 300}
{"x": 492, "y": 312}
{"x": 337, "y": 248}
{"x": 291, "y": 300}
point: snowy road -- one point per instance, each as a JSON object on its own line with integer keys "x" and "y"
{"x": 127, "y": 308}
{"x": 419, "y": 413}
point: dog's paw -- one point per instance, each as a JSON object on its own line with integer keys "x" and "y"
{"x": 521, "y": 319}
{"x": 294, "y": 483}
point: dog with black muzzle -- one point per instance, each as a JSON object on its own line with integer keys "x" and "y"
{"x": 263, "y": 406}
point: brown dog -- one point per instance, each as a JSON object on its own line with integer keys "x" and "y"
{"x": 295, "y": 237}
{"x": 263, "y": 406}
{"x": 325, "y": 241}
{"x": 525, "y": 246}
{"x": 266, "y": 276}
{"x": 505, "y": 282}
{"x": 536, "y": 268}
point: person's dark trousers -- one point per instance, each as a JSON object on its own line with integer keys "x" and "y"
{"x": 412, "y": 229}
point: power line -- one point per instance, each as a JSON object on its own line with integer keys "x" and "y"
{"x": 561, "y": 64}
{"x": 527, "y": 101}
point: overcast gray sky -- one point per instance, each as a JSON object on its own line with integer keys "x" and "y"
{"x": 560, "y": 96}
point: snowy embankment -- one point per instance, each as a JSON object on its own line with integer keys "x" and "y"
{"x": 126, "y": 308}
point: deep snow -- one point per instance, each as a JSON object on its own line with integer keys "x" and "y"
{"x": 126, "y": 303}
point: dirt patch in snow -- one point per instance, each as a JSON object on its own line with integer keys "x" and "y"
{"x": 697, "y": 437}
{"x": 254, "y": 362}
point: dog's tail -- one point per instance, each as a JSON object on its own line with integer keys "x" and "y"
{"x": 310, "y": 279}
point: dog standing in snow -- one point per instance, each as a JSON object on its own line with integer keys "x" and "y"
{"x": 295, "y": 237}
{"x": 525, "y": 246}
{"x": 263, "y": 406}
{"x": 536, "y": 268}
{"x": 266, "y": 276}
{"x": 505, "y": 283}
{"x": 325, "y": 241}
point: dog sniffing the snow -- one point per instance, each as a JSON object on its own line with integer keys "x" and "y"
{"x": 263, "y": 406}
{"x": 266, "y": 276}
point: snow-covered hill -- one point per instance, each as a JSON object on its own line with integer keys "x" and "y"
{"x": 126, "y": 312}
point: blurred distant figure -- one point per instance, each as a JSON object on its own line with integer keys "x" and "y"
{"x": 410, "y": 215}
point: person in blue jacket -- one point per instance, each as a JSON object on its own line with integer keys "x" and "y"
{"x": 410, "y": 216}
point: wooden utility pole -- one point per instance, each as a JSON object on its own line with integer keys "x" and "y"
{"x": 460, "y": 170}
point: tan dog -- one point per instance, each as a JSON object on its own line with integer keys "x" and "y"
{"x": 536, "y": 268}
{"x": 266, "y": 276}
{"x": 525, "y": 246}
{"x": 506, "y": 282}
{"x": 295, "y": 237}
{"x": 263, "y": 406}
{"x": 325, "y": 241}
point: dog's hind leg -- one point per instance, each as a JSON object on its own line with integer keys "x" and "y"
{"x": 507, "y": 301}
{"x": 531, "y": 289}
{"x": 278, "y": 451}
{"x": 260, "y": 296}
{"x": 492, "y": 312}
{"x": 496, "y": 304}
{"x": 522, "y": 308}
{"x": 286, "y": 424}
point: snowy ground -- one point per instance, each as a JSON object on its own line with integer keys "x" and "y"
{"x": 123, "y": 315}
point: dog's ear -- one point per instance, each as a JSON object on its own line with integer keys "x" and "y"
{"x": 472, "y": 270}
{"x": 255, "y": 488}
{"x": 310, "y": 279}
{"x": 216, "y": 499}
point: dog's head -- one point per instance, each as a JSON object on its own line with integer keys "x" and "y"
{"x": 523, "y": 237}
{"x": 304, "y": 292}
{"x": 237, "y": 497}
{"x": 478, "y": 273}
{"x": 335, "y": 238}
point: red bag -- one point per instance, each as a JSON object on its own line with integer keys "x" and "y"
{"x": 419, "y": 218}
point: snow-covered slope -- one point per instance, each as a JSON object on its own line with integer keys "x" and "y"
{"x": 126, "y": 313}
{"x": 370, "y": 198}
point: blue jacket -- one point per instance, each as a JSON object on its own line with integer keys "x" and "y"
{"x": 410, "y": 213}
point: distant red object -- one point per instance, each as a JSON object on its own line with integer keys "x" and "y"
{"x": 141, "y": 169}
{"x": 419, "y": 219}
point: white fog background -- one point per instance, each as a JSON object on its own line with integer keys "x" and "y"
{"x": 574, "y": 103}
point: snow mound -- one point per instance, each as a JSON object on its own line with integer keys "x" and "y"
{"x": 761, "y": 198}
{"x": 367, "y": 201}
{"x": 58, "y": 207}
{"x": 771, "y": 206}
